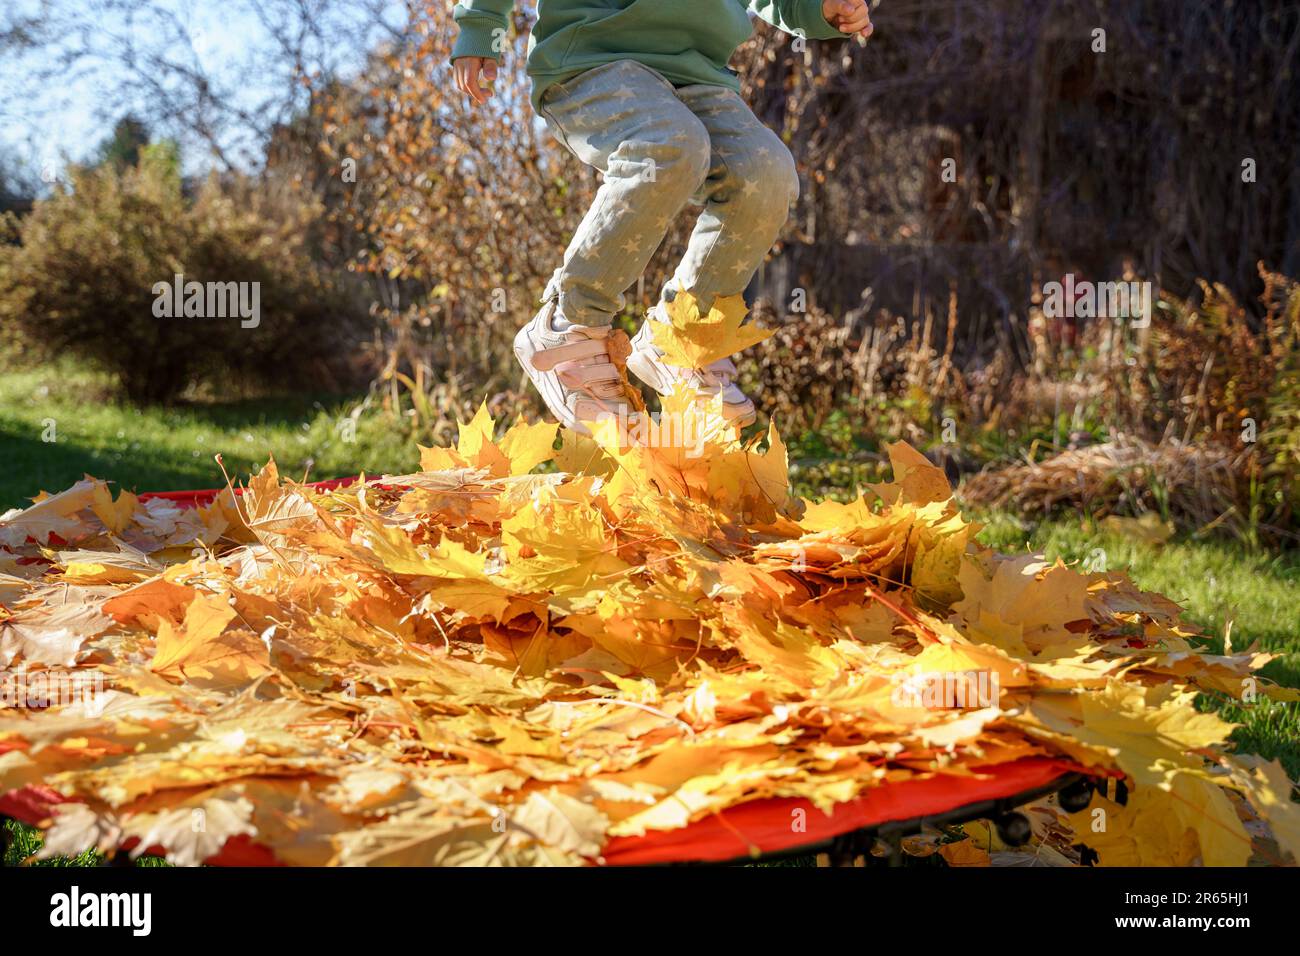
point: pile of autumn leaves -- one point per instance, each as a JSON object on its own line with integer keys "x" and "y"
{"x": 523, "y": 651}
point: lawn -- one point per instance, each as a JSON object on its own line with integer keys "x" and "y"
{"x": 57, "y": 425}
{"x": 173, "y": 448}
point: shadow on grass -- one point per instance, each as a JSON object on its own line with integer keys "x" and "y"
{"x": 140, "y": 449}
{"x": 35, "y": 466}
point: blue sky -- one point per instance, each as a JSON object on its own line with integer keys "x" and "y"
{"x": 44, "y": 125}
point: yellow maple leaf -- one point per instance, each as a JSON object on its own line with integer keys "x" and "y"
{"x": 116, "y": 515}
{"x": 448, "y": 559}
{"x": 527, "y": 446}
{"x": 917, "y": 480}
{"x": 579, "y": 454}
{"x": 752, "y": 486}
{"x": 205, "y": 618}
{"x": 831, "y": 515}
{"x": 941, "y": 546}
{"x": 561, "y": 543}
{"x": 202, "y": 648}
{"x": 476, "y": 445}
{"x": 1023, "y": 591}
{"x": 1204, "y": 806}
{"x": 1153, "y": 732}
{"x": 692, "y": 340}
{"x": 522, "y": 448}
{"x": 964, "y": 853}
{"x": 1144, "y": 832}
{"x": 1191, "y": 818}
{"x": 1267, "y": 787}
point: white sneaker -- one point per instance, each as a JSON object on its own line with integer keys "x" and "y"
{"x": 647, "y": 363}
{"x": 576, "y": 368}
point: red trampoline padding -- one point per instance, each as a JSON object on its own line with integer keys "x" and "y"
{"x": 766, "y": 826}
{"x": 33, "y": 803}
{"x": 761, "y": 826}
{"x": 193, "y": 499}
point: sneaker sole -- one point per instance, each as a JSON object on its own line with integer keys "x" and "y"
{"x": 643, "y": 367}
{"x": 525, "y": 348}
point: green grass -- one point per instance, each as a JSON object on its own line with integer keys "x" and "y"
{"x": 172, "y": 448}
{"x": 23, "y": 841}
{"x": 1216, "y": 582}
{"x": 169, "y": 449}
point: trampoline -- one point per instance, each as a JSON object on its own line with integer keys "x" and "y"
{"x": 762, "y": 829}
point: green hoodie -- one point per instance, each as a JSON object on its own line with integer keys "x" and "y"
{"x": 688, "y": 41}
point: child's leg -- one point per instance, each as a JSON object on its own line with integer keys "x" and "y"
{"x": 747, "y": 196}
{"x": 625, "y": 120}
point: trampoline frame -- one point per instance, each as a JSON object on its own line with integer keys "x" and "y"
{"x": 847, "y": 847}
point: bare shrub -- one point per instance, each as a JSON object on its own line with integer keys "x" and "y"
{"x": 81, "y": 276}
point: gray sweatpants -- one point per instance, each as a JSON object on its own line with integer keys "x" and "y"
{"x": 660, "y": 147}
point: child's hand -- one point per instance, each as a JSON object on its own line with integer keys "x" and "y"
{"x": 466, "y": 69}
{"x": 848, "y": 16}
